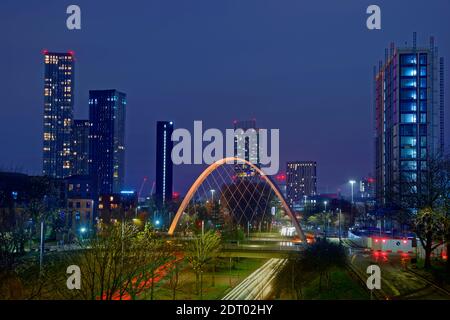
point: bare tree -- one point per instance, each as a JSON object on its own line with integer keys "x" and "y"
{"x": 174, "y": 277}
{"x": 429, "y": 225}
{"x": 103, "y": 262}
{"x": 149, "y": 258}
{"x": 200, "y": 252}
{"x": 422, "y": 202}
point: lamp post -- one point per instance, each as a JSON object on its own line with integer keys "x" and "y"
{"x": 305, "y": 198}
{"x": 212, "y": 194}
{"x": 352, "y": 182}
{"x": 42, "y": 246}
{"x": 339, "y": 219}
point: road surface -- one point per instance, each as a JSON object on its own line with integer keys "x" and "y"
{"x": 398, "y": 280}
{"x": 258, "y": 285}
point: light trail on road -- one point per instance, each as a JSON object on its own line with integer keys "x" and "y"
{"x": 257, "y": 286}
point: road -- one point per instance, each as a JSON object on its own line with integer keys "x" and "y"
{"x": 257, "y": 286}
{"x": 398, "y": 280}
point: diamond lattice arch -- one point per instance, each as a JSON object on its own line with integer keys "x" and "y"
{"x": 230, "y": 160}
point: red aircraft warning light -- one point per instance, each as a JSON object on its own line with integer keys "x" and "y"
{"x": 280, "y": 177}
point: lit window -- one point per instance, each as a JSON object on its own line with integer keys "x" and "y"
{"x": 408, "y": 118}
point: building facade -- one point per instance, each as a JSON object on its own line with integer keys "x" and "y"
{"x": 164, "y": 164}
{"x": 246, "y": 146}
{"x": 80, "y": 147}
{"x": 117, "y": 207}
{"x": 366, "y": 188}
{"x": 409, "y": 118}
{"x": 301, "y": 181}
{"x": 80, "y": 217}
{"x": 107, "y": 109}
{"x": 58, "y": 113}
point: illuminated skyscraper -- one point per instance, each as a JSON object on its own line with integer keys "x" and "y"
{"x": 301, "y": 179}
{"x": 58, "y": 113}
{"x": 246, "y": 146}
{"x": 409, "y": 122}
{"x": 164, "y": 164}
{"x": 107, "y": 140}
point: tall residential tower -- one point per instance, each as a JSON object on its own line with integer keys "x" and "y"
{"x": 301, "y": 181}
{"x": 58, "y": 113}
{"x": 164, "y": 164}
{"x": 246, "y": 146}
{"x": 409, "y": 118}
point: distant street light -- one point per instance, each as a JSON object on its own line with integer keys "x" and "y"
{"x": 212, "y": 194}
{"x": 352, "y": 182}
{"x": 325, "y": 204}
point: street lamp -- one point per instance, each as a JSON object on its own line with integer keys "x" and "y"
{"x": 82, "y": 232}
{"x": 352, "y": 182}
{"x": 339, "y": 219}
{"x": 212, "y": 194}
{"x": 327, "y": 222}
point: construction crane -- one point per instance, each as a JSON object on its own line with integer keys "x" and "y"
{"x": 142, "y": 187}
{"x": 153, "y": 188}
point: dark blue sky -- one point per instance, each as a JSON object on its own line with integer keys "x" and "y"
{"x": 302, "y": 66}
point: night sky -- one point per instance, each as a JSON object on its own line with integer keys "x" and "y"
{"x": 302, "y": 66}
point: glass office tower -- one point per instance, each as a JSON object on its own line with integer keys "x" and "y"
{"x": 107, "y": 140}
{"x": 80, "y": 147}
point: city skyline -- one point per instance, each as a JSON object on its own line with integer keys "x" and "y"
{"x": 200, "y": 151}
{"x": 309, "y": 129}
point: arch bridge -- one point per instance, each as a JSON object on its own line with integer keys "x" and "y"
{"x": 232, "y": 160}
